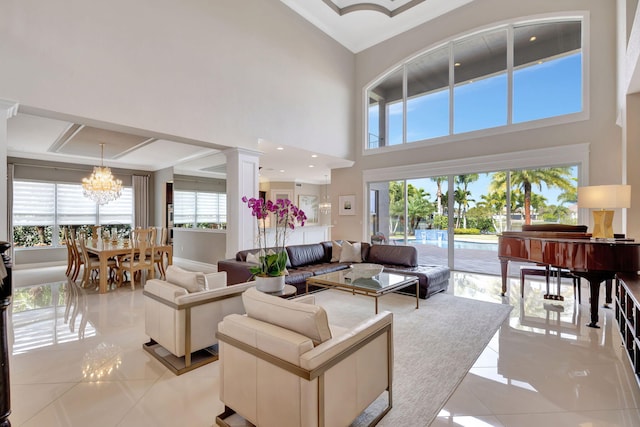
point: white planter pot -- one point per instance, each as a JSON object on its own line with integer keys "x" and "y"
{"x": 270, "y": 284}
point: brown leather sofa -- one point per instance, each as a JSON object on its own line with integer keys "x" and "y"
{"x": 314, "y": 259}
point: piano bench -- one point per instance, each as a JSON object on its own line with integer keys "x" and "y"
{"x": 548, "y": 273}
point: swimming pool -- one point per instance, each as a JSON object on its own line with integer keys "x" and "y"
{"x": 489, "y": 246}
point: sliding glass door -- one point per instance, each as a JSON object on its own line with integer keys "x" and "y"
{"x": 469, "y": 215}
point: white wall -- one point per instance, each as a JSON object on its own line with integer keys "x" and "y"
{"x": 600, "y": 130}
{"x": 226, "y": 71}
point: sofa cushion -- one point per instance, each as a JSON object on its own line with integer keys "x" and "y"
{"x": 406, "y": 256}
{"x": 336, "y": 250}
{"x": 326, "y": 267}
{"x": 216, "y": 280}
{"x": 244, "y": 255}
{"x": 301, "y": 255}
{"x": 253, "y": 258}
{"x": 190, "y": 280}
{"x": 306, "y": 319}
{"x": 297, "y": 276}
{"x": 351, "y": 252}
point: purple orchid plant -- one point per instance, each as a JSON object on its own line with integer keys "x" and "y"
{"x": 286, "y": 216}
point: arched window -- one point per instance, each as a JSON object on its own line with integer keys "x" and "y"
{"x": 495, "y": 79}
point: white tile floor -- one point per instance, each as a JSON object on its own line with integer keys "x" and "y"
{"x": 543, "y": 368}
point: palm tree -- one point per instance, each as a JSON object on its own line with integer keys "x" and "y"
{"x": 462, "y": 195}
{"x": 462, "y": 198}
{"x": 439, "y": 180}
{"x": 396, "y": 204}
{"x": 418, "y": 206}
{"x": 495, "y": 202}
{"x": 524, "y": 180}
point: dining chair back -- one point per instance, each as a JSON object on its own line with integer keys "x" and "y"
{"x": 142, "y": 255}
{"x": 95, "y": 231}
{"x": 162, "y": 252}
{"x": 90, "y": 263}
{"x": 70, "y": 255}
{"x": 72, "y": 246}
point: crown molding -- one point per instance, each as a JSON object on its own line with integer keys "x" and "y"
{"x": 371, "y": 7}
{"x": 11, "y": 108}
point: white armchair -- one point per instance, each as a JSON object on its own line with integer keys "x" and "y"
{"x": 282, "y": 365}
{"x": 182, "y": 314}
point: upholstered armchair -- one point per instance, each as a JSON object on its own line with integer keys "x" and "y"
{"x": 282, "y": 365}
{"x": 182, "y": 314}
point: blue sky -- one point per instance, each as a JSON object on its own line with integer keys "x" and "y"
{"x": 544, "y": 89}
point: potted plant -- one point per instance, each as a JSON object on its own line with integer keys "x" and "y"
{"x": 271, "y": 268}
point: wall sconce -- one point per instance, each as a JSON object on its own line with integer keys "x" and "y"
{"x": 603, "y": 199}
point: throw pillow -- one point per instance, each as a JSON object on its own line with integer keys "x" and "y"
{"x": 306, "y": 319}
{"x": 216, "y": 280}
{"x": 253, "y": 258}
{"x": 190, "y": 280}
{"x": 351, "y": 252}
{"x": 336, "y": 250}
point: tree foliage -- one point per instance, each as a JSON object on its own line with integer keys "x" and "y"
{"x": 526, "y": 179}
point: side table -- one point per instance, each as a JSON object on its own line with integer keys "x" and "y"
{"x": 288, "y": 291}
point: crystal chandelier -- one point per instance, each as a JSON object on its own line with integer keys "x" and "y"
{"x": 325, "y": 204}
{"x": 101, "y": 186}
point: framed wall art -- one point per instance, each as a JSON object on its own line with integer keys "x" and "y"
{"x": 347, "y": 205}
{"x": 309, "y": 204}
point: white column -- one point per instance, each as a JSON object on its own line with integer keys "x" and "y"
{"x": 8, "y": 109}
{"x": 242, "y": 180}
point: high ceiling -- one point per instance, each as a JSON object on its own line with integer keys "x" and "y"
{"x": 356, "y": 25}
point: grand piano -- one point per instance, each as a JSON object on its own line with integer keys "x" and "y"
{"x": 570, "y": 247}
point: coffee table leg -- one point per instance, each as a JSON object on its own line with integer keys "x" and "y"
{"x": 376, "y": 298}
{"x": 417, "y": 294}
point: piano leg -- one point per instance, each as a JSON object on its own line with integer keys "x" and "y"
{"x": 608, "y": 290}
{"x": 504, "y": 266}
{"x": 594, "y": 285}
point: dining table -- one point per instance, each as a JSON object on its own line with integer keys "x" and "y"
{"x": 106, "y": 249}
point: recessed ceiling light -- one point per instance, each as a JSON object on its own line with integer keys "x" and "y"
{"x": 281, "y": 170}
{"x": 539, "y": 62}
{"x": 280, "y": 148}
{"x": 314, "y": 155}
{"x": 312, "y": 166}
{"x": 457, "y": 64}
{"x": 532, "y": 38}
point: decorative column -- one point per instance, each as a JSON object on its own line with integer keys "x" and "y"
{"x": 8, "y": 109}
{"x": 242, "y": 180}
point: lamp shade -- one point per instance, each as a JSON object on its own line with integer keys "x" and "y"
{"x": 604, "y": 196}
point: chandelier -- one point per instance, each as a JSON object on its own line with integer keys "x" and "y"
{"x": 101, "y": 186}
{"x": 325, "y": 204}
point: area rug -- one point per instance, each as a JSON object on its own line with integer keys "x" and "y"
{"x": 434, "y": 347}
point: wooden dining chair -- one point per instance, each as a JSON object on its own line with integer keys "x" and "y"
{"x": 91, "y": 263}
{"x": 95, "y": 231}
{"x": 70, "y": 255}
{"x": 78, "y": 260}
{"x": 141, "y": 258}
{"x": 162, "y": 252}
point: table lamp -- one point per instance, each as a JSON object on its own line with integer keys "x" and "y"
{"x": 603, "y": 199}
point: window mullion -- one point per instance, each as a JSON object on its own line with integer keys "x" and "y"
{"x": 451, "y": 86}
{"x": 510, "y": 45}
{"x": 404, "y": 104}
{"x": 56, "y": 228}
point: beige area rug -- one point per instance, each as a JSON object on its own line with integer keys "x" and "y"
{"x": 434, "y": 347}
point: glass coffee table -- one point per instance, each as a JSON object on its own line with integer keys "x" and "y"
{"x": 375, "y": 287}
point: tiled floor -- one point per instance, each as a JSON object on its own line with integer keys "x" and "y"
{"x": 81, "y": 364}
